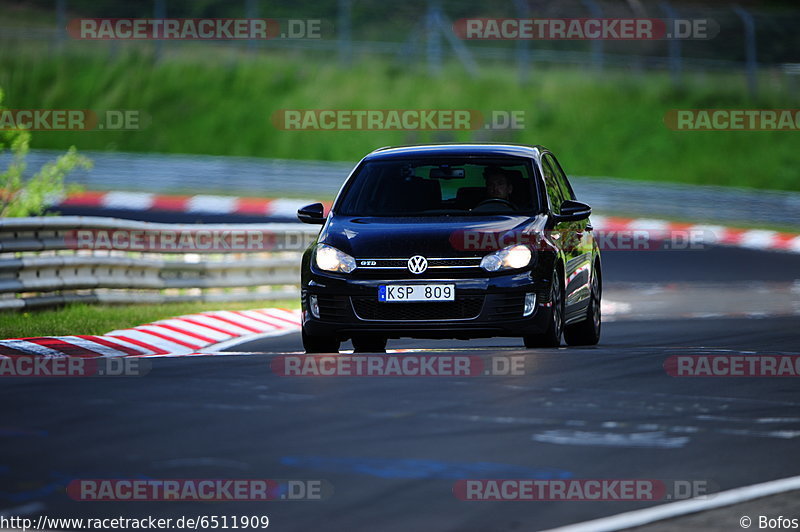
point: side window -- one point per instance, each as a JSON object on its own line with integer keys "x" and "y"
{"x": 554, "y": 192}
{"x": 561, "y": 177}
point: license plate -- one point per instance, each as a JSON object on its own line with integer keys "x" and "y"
{"x": 398, "y": 293}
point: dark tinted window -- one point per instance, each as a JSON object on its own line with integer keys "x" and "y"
{"x": 436, "y": 187}
{"x": 563, "y": 182}
{"x": 555, "y": 192}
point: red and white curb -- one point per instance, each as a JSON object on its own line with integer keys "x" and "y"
{"x": 709, "y": 234}
{"x": 199, "y": 204}
{"x": 180, "y": 336}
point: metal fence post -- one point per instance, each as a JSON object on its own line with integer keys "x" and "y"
{"x": 411, "y": 50}
{"x": 750, "y": 49}
{"x": 446, "y": 28}
{"x": 343, "y": 31}
{"x": 673, "y": 46}
{"x": 159, "y": 12}
{"x": 638, "y": 12}
{"x": 251, "y": 12}
{"x": 598, "y": 57}
{"x": 433, "y": 40}
{"x": 61, "y": 22}
{"x": 523, "y": 52}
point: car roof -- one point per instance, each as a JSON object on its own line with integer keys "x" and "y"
{"x": 455, "y": 150}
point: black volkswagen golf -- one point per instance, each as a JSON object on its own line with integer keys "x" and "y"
{"x": 452, "y": 241}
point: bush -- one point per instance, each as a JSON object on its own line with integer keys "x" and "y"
{"x": 21, "y": 196}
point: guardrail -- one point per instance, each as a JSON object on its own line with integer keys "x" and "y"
{"x": 47, "y": 261}
{"x": 153, "y": 173}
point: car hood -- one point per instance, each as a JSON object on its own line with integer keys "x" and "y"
{"x": 379, "y": 237}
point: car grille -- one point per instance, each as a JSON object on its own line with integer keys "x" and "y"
{"x": 402, "y": 264}
{"x": 397, "y": 268}
{"x": 465, "y": 307}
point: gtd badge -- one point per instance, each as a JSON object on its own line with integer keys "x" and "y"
{"x": 417, "y": 264}
{"x": 369, "y": 263}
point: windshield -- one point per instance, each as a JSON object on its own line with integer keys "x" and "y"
{"x": 426, "y": 187}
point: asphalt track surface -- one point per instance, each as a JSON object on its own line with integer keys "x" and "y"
{"x": 392, "y": 448}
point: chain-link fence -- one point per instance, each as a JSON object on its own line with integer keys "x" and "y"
{"x": 749, "y": 37}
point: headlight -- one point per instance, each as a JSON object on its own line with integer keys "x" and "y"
{"x": 510, "y": 258}
{"x": 331, "y": 259}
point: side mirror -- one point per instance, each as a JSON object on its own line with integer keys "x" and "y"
{"x": 311, "y": 214}
{"x": 572, "y": 211}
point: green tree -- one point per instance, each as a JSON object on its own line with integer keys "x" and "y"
{"x": 21, "y": 196}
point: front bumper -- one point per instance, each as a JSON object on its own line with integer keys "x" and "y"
{"x": 484, "y": 307}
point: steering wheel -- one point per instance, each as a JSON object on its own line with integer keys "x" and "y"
{"x": 495, "y": 200}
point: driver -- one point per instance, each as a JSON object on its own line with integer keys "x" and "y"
{"x": 498, "y": 185}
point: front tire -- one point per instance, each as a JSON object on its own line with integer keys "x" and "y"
{"x": 552, "y": 336}
{"x": 320, "y": 344}
{"x": 587, "y": 332}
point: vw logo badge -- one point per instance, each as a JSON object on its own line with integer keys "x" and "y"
{"x": 417, "y": 264}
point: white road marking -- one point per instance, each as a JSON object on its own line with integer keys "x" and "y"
{"x": 285, "y": 207}
{"x": 30, "y": 508}
{"x": 85, "y": 343}
{"x": 291, "y": 315}
{"x": 611, "y": 308}
{"x": 243, "y": 320}
{"x": 135, "y": 347}
{"x": 169, "y": 333}
{"x": 212, "y": 204}
{"x": 677, "y": 509}
{"x": 149, "y": 339}
{"x": 757, "y": 239}
{"x": 30, "y": 347}
{"x": 209, "y": 319}
{"x": 196, "y": 329}
{"x": 139, "y": 201}
{"x": 658, "y": 439}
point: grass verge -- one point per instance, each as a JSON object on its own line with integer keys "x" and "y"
{"x": 221, "y": 100}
